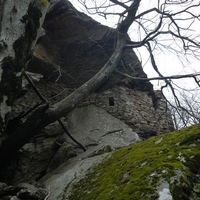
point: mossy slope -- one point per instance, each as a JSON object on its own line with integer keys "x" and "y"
{"x": 162, "y": 167}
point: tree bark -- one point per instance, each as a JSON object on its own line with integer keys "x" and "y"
{"x": 46, "y": 115}
{"x": 20, "y": 25}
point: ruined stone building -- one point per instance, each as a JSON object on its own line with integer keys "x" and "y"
{"x": 110, "y": 124}
{"x": 73, "y": 48}
{"x": 123, "y": 111}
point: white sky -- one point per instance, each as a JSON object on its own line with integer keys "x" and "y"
{"x": 168, "y": 63}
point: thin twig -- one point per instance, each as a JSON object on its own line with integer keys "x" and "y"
{"x": 48, "y": 194}
{"x": 158, "y": 78}
{"x": 60, "y": 122}
{"x": 70, "y": 136}
{"x": 34, "y": 87}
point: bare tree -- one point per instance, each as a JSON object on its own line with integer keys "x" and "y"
{"x": 20, "y": 27}
{"x": 152, "y": 24}
{"x": 189, "y": 112}
{"x": 167, "y": 26}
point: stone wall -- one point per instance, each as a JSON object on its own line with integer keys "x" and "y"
{"x": 74, "y": 50}
{"x": 135, "y": 108}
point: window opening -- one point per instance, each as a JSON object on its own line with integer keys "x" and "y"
{"x": 111, "y": 101}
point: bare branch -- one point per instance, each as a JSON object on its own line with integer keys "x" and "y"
{"x": 120, "y": 3}
{"x": 159, "y": 78}
{"x": 126, "y": 23}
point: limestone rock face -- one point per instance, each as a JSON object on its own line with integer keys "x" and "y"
{"x": 71, "y": 50}
{"x": 32, "y": 160}
{"x": 100, "y": 133}
{"x": 75, "y": 47}
{"x": 95, "y": 127}
{"x": 165, "y": 167}
{"x": 23, "y": 191}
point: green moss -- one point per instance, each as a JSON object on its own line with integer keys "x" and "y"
{"x": 101, "y": 151}
{"x": 137, "y": 172}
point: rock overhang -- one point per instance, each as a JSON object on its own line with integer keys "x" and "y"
{"x": 76, "y": 47}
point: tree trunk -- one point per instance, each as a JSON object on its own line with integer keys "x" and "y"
{"x": 46, "y": 115}
{"x": 20, "y": 25}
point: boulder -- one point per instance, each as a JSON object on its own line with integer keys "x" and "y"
{"x": 69, "y": 173}
{"x": 164, "y": 167}
{"x": 64, "y": 153}
{"x": 32, "y": 160}
{"x": 97, "y": 129}
{"x": 23, "y": 191}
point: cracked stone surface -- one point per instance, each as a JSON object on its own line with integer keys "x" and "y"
{"x": 95, "y": 128}
{"x": 63, "y": 178}
{"x": 99, "y": 132}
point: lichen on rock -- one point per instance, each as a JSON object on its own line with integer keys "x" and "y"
{"x": 148, "y": 170}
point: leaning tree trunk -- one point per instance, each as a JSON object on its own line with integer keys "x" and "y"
{"x": 47, "y": 114}
{"x": 20, "y": 26}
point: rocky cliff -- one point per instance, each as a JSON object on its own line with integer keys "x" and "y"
{"x": 72, "y": 49}
{"x": 165, "y": 167}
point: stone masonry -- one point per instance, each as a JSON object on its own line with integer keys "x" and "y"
{"x": 135, "y": 108}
